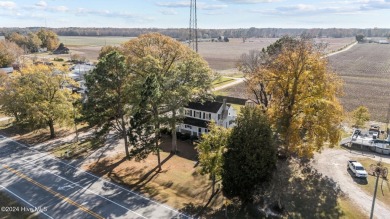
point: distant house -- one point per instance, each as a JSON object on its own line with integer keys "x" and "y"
{"x": 198, "y": 115}
{"x": 383, "y": 42}
{"x": 7, "y": 70}
{"x": 61, "y": 49}
{"x": 78, "y": 73}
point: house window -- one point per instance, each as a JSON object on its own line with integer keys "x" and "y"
{"x": 204, "y": 115}
{"x": 200, "y": 130}
{"x": 198, "y": 115}
{"x": 209, "y": 116}
{"x": 187, "y": 126}
{"x": 188, "y": 112}
{"x": 219, "y": 116}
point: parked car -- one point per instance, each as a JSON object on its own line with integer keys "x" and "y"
{"x": 357, "y": 169}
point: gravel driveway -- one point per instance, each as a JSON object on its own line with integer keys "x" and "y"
{"x": 333, "y": 163}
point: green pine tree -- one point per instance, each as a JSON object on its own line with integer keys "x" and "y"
{"x": 251, "y": 155}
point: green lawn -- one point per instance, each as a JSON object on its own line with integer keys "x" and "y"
{"x": 382, "y": 194}
{"x": 77, "y": 149}
{"x": 349, "y": 209}
{"x": 222, "y": 81}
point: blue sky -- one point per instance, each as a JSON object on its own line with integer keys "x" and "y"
{"x": 211, "y": 13}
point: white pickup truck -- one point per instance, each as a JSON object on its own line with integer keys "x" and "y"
{"x": 357, "y": 168}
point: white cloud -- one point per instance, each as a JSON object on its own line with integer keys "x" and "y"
{"x": 248, "y": 1}
{"x": 186, "y": 4}
{"x": 59, "y": 8}
{"x": 168, "y": 12}
{"x": 41, "y": 4}
{"x": 7, "y": 4}
{"x": 181, "y": 4}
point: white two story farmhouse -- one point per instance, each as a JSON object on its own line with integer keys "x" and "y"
{"x": 198, "y": 115}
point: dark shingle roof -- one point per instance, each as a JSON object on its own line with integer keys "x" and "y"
{"x": 207, "y": 106}
{"x": 196, "y": 122}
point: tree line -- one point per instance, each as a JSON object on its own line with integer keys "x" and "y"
{"x": 182, "y": 33}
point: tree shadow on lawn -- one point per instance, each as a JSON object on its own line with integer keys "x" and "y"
{"x": 186, "y": 149}
{"x": 105, "y": 167}
{"x": 300, "y": 191}
{"x": 29, "y": 136}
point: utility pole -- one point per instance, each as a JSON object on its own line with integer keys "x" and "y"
{"x": 373, "y": 200}
{"x": 193, "y": 28}
{"x": 387, "y": 123}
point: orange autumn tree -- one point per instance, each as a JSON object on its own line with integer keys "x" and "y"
{"x": 304, "y": 108}
{"x": 38, "y": 97}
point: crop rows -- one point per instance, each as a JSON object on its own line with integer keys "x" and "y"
{"x": 365, "y": 70}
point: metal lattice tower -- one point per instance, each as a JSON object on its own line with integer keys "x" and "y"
{"x": 193, "y": 30}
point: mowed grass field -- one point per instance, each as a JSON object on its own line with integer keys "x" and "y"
{"x": 365, "y": 69}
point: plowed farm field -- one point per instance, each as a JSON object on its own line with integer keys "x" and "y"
{"x": 219, "y": 55}
{"x": 365, "y": 70}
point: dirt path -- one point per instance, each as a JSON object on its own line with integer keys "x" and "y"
{"x": 237, "y": 81}
{"x": 343, "y": 50}
{"x": 332, "y": 163}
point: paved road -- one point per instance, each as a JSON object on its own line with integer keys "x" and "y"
{"x": 59, "y": 190}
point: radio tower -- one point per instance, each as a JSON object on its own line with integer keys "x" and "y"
{"x": 193, "y": 30}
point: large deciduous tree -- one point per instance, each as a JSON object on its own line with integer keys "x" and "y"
{"x": 210, "y": 149}
{"x": 9, "y": 53}
{"x": 250, "y": 155}
{"x": 298, "y": 92}
{"x": 360, "y": 116}
{"x": 48, "y": 38}
{"x": 305, "y": 109}
{"x": 37, "y": 96}
{"x": 183, "y": 75}
{"x": 109, "y": 95}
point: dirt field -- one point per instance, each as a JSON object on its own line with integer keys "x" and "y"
{"x": 219, "y": 55}
{"x": 365, "y": 69}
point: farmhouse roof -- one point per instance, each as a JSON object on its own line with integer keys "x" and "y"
{"x": 207, "y": 106}
{"x": 195, "y": 122}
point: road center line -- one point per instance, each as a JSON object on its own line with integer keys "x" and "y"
{"x": 56, "y": 194}
{"x": 90, "y": 174}
{"x": 78, "y": 185}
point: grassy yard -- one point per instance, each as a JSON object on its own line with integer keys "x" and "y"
{"x": 6, "y": 201}
{"x": 349, "y": 209}
{"x": 222, "y": 81}
{"x": 179, "y": 184}
{"x": 77, "y": 149}
{"x": 382, "y": 195}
